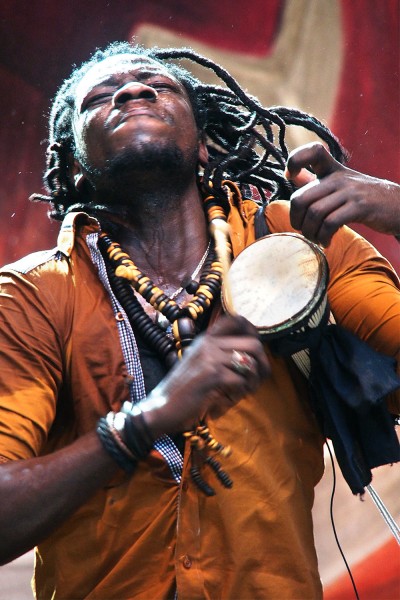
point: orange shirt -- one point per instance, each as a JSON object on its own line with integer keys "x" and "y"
{"x": 62, "y": 367}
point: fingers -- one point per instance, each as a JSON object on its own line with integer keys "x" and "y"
{"x": 239, "y": 374}
{"x": 232, "y": 325}
{"x": 301, "y": 178}
{"x": 237, "y": 349}
{"x": 235, "y": 333}
{"x": 312, "y": 156}
{"x": 316, "y": 207}
{"x": 339, "y": 211}
{"x": 309, "y": 206}
{"x": 208, "y": 375}
{"x": 238, "y": 356}
{"x": 314, "y": 211}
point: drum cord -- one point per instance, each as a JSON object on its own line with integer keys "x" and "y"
{"x": 387, "y": 517}
{"x": 334, "y": 526}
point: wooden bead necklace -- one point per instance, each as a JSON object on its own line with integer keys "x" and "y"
{"x": 182, "y": 319}
{"x": 192, "y": 285}
{"x": 186, "y": 321}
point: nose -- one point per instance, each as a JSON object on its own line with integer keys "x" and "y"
{"x": 134, "y": 90}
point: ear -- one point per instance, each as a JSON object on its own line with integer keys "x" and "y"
{"x": 203, "y": 152}
{"x": 77, "y": 175}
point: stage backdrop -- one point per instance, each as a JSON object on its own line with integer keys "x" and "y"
{"x": 338, "y": 59}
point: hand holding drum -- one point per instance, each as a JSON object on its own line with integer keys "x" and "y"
{"x": 221, "y": 366}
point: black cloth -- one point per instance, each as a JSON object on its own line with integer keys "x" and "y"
{"x": 348, "y": 385}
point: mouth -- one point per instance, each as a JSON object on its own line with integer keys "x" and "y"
{"x": 138, "y": 112}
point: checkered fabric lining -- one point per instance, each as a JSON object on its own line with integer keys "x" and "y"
{"x": 164, "y": 445}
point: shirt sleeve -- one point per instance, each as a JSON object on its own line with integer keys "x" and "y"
{"x": 364, "y": 296}
{"x": 363, "y": 289}
{"x": 31, "y": 358}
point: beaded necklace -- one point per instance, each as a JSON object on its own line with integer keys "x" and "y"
{"x": 192, "y": 286}
{"x": 124, "y": 274}
{"x": 182, "y": 319}
{"x": 122, "y": 270}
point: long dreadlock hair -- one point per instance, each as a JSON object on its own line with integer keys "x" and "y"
{"x": 245, "y": 141}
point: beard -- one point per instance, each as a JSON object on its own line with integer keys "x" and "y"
{"x": 149, "y": 159}
{"x": 140, "y": 165}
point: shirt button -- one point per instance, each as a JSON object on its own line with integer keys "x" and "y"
{"x": 129, "y": 379}
{"x": 187, "y": 563}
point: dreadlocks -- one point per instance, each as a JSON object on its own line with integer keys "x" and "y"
{"x": 245, "y": 141}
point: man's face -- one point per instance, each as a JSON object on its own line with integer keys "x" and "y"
{"x": 130, "y": 111}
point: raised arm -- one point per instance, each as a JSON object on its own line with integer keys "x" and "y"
{"x": 337, "y": 195}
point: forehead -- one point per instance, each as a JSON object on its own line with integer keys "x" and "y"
{"x": 113, "y": 69}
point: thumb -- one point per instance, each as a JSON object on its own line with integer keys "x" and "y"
{"x": 301, "y": 178}
{"x": 312, "y": 156}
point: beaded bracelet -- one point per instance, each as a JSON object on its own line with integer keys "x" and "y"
{"x": 111, "y": 446}
{"x": 137, "y": 435}
{"x": 116, "y": 424}
{"x": 137, "y": 441}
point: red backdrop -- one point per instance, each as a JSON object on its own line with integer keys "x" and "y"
{"x": 40, "y": 40}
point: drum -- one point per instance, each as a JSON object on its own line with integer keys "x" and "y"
{"x": 279, "y": 284}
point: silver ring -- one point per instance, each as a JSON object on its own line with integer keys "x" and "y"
{"x": 242, "y": 363}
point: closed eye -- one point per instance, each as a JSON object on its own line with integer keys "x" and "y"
{"x": 96, "y": 100}
{"x": 162, "y": 85}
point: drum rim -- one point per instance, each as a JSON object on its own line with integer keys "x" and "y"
{"x": 302, "y": 317}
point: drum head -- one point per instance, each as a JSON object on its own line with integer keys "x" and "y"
{"x": 278, "y": 282}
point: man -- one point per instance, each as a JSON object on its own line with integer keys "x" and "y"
{"x": 125, "y": 499}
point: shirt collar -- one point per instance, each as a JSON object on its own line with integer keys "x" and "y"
{"x": 66, "y": 237}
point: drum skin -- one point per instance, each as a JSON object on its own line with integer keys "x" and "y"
{"x": 279, "y": 284}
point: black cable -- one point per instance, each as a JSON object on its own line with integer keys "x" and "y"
{"x": 333, "y": 524}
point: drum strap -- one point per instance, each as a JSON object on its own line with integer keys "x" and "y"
{"x": 260, "y": 223}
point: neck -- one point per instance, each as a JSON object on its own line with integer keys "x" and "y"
{"x": 165, "y": 232}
